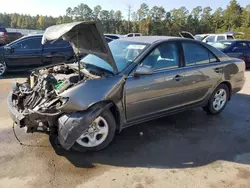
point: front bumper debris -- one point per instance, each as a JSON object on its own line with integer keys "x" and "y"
{"x": 16, "y": 116}
{"x": 72, "y": 126}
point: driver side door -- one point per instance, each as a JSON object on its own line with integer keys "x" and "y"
{"x": 25, "y": 54}
{"x": 149, "y": 95}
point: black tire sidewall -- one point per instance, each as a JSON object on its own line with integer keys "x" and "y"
{"x": 210, "y": 108}
{"x": 108, "y": 116}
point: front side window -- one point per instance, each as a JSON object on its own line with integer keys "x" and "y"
{"x": 56, "y": 44}
{"x": 28, "y": 44}
{"x": 164, "y": 56}
{"x": 196, "y": 54}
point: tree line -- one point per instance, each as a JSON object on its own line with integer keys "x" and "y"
{"x": 148, "y": 21}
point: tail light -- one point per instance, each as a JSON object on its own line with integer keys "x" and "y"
{"x": 243, "y": 58}
{"x": 4, "y": 36}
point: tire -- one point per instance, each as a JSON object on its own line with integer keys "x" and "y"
{"x": 3, "y": 68}
{"x": 221, "y": 101}
{"x": 80, "y": 144}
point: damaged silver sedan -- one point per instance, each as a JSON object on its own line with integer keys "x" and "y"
{"x": 116, "y": 85}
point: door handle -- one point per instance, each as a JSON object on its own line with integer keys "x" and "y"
{"x": 177, "y": 78}
{"x": 218, "y": 69}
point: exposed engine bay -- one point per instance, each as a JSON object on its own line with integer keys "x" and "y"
{"x": 39, "y": 95}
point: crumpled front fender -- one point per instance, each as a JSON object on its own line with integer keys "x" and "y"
{"x": 72, "y": 126}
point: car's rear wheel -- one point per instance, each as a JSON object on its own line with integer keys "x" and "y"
{"x": 99, "y": 134}
{"x": 2, "y": 68}
{"x": 218, "y": 100}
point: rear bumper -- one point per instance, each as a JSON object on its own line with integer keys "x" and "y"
{"x": 238, "y": 85}
{"x": 16, "y": 116}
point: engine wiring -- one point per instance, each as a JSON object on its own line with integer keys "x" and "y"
{"x": 27, "y": 145}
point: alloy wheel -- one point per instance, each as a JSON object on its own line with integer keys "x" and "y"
{"x": 95, "y": 134}
{"x": 220, "y": 99}
{"x": 2, "y": 68}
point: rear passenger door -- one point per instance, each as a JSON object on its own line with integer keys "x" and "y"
{"x": 202, "y": 71}
{"x": 57, "y": 52}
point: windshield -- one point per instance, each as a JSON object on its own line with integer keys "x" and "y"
{"x": 222, "y": 44}
{"x": 124, "y": 52}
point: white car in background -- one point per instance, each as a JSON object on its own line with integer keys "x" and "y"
{"x": 211, "y": 38}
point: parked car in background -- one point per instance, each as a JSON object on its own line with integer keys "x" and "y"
{"x": 211, "y": 38}
{"x": 113, "y": 36}
{"x": 117, "y": 36}
{"x": 108, "y": 39}
{"x": 133, "y": 35}
{"x": 126, "y": 82}
{"x": 7, "y": 37}
{"x": 27, "y": 53}
{"x": 235, "y": 48}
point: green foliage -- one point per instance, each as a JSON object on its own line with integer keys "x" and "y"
{"x": 147, "y": 20}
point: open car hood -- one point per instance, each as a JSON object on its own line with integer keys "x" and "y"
{"x": 234, "y": 33}
{"x": 185, "y": 34}
{"x": 85, "y": 38}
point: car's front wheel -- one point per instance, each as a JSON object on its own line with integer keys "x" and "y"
{"x": 2, "y": 68}
{"x": 218, "y": 100}
{"x": 99, "y": 134}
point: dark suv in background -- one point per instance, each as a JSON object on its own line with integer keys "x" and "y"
{"x": 27, "y": 53}
{"x": 7, "y": 37}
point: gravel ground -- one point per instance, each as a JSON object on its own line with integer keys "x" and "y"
{"x": 190, "y": 149}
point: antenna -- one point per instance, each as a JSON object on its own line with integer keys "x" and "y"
{"x": 129, "y": 14}
{"x": 77, "y": 55}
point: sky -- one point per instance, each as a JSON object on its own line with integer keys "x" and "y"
{"x": 58, "y": 7}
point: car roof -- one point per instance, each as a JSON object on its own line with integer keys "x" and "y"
{"x": 235, "y": 40}
{"x": 148, "y": 39}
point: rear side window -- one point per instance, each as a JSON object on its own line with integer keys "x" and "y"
{"x": 137, "y": 35}
{"x": 241, "y": 45}
{"x": 196, "y": 54}
{"x": 57, "y": 44}
{"x": 229, "y": 37}
{"x": 221, "y": 37}
{"x": 2, "y": 29}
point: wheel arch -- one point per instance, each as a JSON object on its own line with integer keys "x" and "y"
{"x": 114, "y": 110}
{"x": 229, "y": 85}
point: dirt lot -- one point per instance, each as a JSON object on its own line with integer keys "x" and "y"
{"x": 190, "y": 149}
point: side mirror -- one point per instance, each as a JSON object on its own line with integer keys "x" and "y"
{"x": 143, "y": 70}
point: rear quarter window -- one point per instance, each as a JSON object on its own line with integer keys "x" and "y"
{"x": 3, "y": 30}
{"x": 195, "y": 54}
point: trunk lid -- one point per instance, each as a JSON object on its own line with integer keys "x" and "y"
{"x": 186, "y": 34}
{"x": 85, "y": 38}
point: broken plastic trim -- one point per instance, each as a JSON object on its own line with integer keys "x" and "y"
{"x": 71, "y": 126}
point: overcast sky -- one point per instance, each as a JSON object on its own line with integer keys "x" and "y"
{"x": 58, "y": 7}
